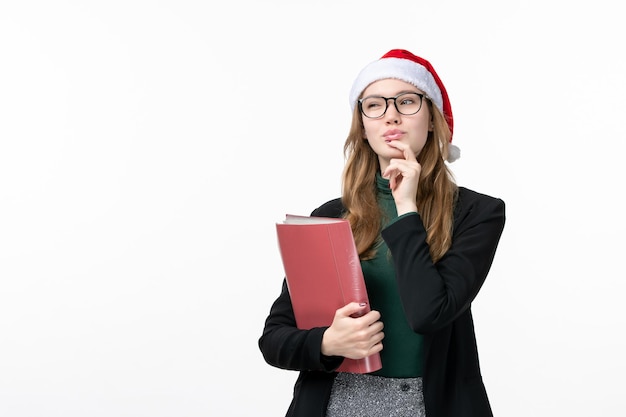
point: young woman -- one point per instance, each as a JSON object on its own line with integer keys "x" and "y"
{"x": 426, "y": 246}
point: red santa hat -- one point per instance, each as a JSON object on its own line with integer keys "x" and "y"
{"x": 403, "y": 65}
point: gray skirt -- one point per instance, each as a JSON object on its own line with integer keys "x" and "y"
{"x": 366, "y": 395}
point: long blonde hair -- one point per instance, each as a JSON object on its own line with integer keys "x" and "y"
{"x": 435, "y": 197}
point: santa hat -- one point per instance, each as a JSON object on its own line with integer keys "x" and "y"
{"x": 403, "y": 65}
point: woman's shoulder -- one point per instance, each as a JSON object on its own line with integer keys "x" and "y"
{"x": 473, "y": 203}
{"x": 466, "y": 195}
{"x": 331, "y": 208}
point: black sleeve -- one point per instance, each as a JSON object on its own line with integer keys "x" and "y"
{"x": 285, "y": 346}
{"x": 435, "y": 294}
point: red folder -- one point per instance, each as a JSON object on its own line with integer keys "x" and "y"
{"x": 323, "y": 274}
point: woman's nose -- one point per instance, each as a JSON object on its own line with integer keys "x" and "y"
{"x": 392, "y": 115}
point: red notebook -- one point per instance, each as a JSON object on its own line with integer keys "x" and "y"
{"x": 323, "y": 274}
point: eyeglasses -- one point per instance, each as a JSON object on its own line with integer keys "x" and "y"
{"x": 375, "y": 107}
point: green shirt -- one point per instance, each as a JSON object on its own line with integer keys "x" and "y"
{"x": 402, "y": 354}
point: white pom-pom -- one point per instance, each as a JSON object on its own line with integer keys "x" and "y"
{"x": 454, "y": 153}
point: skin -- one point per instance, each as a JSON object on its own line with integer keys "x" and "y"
{"x": 397, "y": 139}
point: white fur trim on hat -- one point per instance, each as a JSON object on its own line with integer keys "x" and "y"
{"x": 401, "y": 69}
{"x": 454, "y": 153}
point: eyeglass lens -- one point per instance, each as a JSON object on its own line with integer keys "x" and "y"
{"x": 406, "y": 104}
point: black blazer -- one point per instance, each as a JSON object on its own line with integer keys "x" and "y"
{"x": 436, "y": 299}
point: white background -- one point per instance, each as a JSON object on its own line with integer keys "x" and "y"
{"x": 139, "y": 192}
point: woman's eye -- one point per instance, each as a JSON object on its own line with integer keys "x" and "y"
{"x": 372, "y": 105}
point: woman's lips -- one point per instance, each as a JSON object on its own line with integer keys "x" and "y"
{"x": 393, "y": 135}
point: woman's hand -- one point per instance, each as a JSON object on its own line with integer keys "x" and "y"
{"x": 403, "y": 175}
{"x": 351, "y": 336}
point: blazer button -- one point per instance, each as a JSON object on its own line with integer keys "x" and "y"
{"x": 405, "y": 387}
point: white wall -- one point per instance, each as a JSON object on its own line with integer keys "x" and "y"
{"x": 138, "y": 197}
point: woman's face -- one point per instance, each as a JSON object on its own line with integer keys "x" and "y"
{"x": 410, "y": 129}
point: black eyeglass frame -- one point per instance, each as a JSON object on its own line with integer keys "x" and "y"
{"x": 395, "y": 103}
